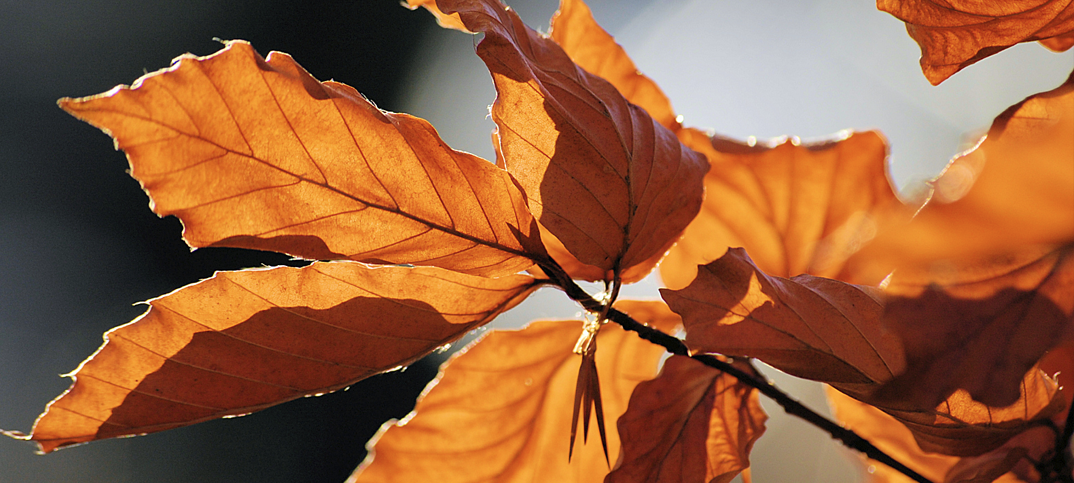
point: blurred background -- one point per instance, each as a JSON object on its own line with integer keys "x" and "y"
{"x": 79, "y": 246}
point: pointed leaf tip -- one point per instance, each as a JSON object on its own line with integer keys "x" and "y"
{"x": 613, "y": 185}
{"x": 325, "y": 175}
{"x": 243, "y": 341}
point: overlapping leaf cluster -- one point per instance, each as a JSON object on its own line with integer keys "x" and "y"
{"x": 413, "y": 244}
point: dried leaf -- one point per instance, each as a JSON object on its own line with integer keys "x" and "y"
{"x": 593, "y": 49}
{"x": 255, "y": 153}
{"x": 894, "y": 439}
{"x": 831, "y": 332}
{"x": 796, "y": 208}
{"x": 960, "y": 426}
{"x": 953, "y": 35}
{"x": 984, "y": 274}
{"x": 806, "y": 326}
{"x": 447, "y": 21}
{"x": 500, "y": 410}
{"x": 1061, "y": 43}
{"x": 980, "y": 334}
{"x": 243, "y": 341}
{"x": 1014, "y": 189}
{"x": 613, "y": 185}
{"x": 691, "y": 423}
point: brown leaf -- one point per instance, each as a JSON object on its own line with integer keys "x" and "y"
{"x": 984, "y": 274}
{"x": 500, "y": 410}
{"x": 255, "y": 153}
{"x": 447, "y": 21}
{"x": 953, "y": 35}
{"x": 960, "y": 426}
{"x": 830, "y": 331}
{"x": 1014, "y": 189}
{"x": 806, "y": 326}
{"x": 796, "y": 208}
{"x": 980, "y": 334}
{"x": 612, "y": 184}
{"x": 1061, "y": 43}
{"x": 691, "y": 423}
{"x": 593, "y": 49}
{"x": 243, "y": 341}
{"x": 896, "y": 440}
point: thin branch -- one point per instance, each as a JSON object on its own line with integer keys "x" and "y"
{"x": 676, "y": 346}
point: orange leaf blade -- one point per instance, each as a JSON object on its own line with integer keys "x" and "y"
{"x": 806, "y": 326}
{"x": 501, "y": 410}
{"x": 593, "y": 49}
{"x": 256, "y": 153}
{"x": 612, "y": 184}
{"x": 691, "y": 423}
{"x": 796, "y": 208}
{"x": 983, "y": 280}
{"x": 243, "y": 341}
{"x": 953, "y": 36}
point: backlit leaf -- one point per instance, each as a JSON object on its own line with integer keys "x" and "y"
{"x": 896, "y": 440}
{"x": 983, "y": 280}
{"x": 255, "y": 153}
{"x": 796, "y": 208}
{"x": 593, "y": 49}
{"x": 982, "y": 330}
{"x": 953, "y": 35}
{"x": 1014, "y": 189}
{"x": 960, "y": 426}
{"x": 500, "y": 410}
{"x": 690, "y": 424}
{"x": 447, "y": 21}
{"x": 612, "y": 184}
{"x": 243, "y": 341}
{"x": 807, "y": 326}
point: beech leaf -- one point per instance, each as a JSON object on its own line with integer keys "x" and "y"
{"x": 1014, "y": 189}
{"x": 593, "y": 49}
{"x": 243, "y": 341}
{"x": 890, "y": 436}
{"x": 613, "y": 185}
{"x": 500, "y": 410}
{"x": 979, "y": 334}
{"x": 795, "y": 207}
{"x": 983, "y": 280}
{"x": 691, "y": 423}
{"x": 451, "y": 21}
{"x": 256, "y": 153}
{"x": 807, "y": 326}
{"x": 953, "y": 35}
{"x": 960, "y": 426}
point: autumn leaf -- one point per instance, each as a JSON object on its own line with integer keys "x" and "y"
{"x": 614, "y": 186}
{"x": 451, "y": 21}
{"x": 894, "y": 439}
{"x": 807, "y": 326}
{"x": 1014, "y": 189}
{"x": 243, "y": 341}
{"x": 691, "y": 423}
{"x": 830, "y": 331}
{"x": 500, "y": 409}
{"x": 255, "y": 153}
{"x": 983, "y": 283}
{"x": 795, "y": 207}
{"x": 1061, "y": 43}
{"x": 960, "y": 426}
{"x": 593, "y": 49}
{"x": 953, "y": 35}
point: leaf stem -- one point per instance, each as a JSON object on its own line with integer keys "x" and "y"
{"x": 676, "y": 346}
